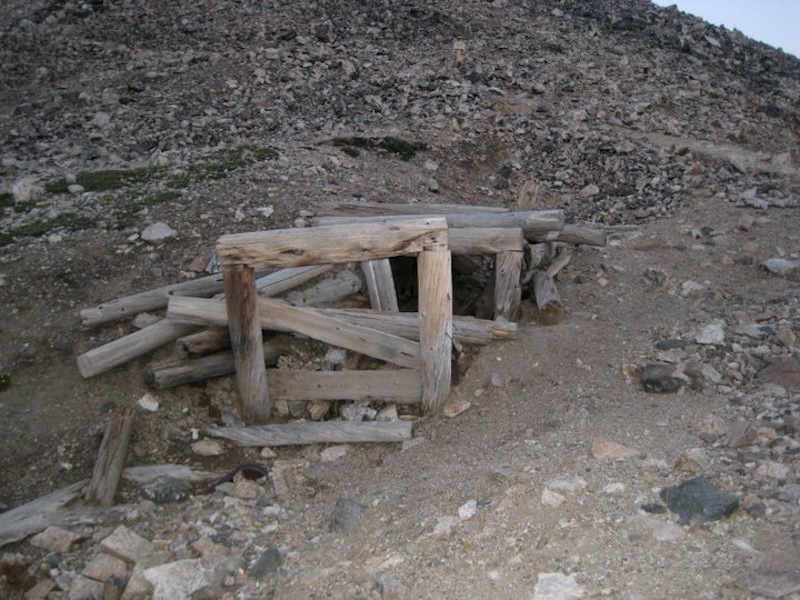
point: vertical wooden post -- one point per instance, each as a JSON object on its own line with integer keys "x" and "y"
{"x": 380, "y": 284}
{"x": 246, "y": 343}
{"x": 436, "y": 324}
{"x": 507, "y": 290}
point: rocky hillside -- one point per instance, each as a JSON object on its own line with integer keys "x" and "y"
{"x": 217, "y": 116}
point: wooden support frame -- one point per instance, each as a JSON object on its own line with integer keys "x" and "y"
{"x": 426, "y": 237}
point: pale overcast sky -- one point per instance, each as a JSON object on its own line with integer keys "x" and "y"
{"x": 774, "y": 22}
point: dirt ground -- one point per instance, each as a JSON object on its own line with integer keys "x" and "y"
{"x": 698, "y": 184}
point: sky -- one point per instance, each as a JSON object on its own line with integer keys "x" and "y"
{"x": 774, "y": 22}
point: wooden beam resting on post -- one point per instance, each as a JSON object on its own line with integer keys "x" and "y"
{"x": 380, "y": 284}
{"x": 530, "y": 221}
{"x": 110, "y": 458}
{"x": 279, "y": 316}
{"x": 330, "y": 245}
{"x": 329, "y": 432}
{"x": 573, "y": 234}
{"x": 436, "y": 324}
{"x": 507, "y": 289}
{"x": 246, "y": 342}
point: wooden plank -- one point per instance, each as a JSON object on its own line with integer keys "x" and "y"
{"x": 551, "y": 310}
{"x": 401, "y": 386}
{"x": 436, "y": 325}
{"x": 246, "y": 342}
{"x": 333, "y": 288}
{"x": 344, "y": 208}
{"x": 106, "y": 357}
{"x": 110, "y": 458}
{"x": 146, "y": 473}
{"x": 204, "y": 287}
{"x": 330, "y": 245}
{"x": 380, "y": 284}
{"x": 507, "y": 289}
{"x": 485, "y": 240}
{"x": 280, "y": 316}
{"x": 36, "y": 515}
{"x": 191, "y": 370}
{"x": 530, "y": 221}
{"x": 284, "y": 280}
{"x": 466, "y": 330}
{"x": 573, "y": 234}
{"x": 329, "y": 432}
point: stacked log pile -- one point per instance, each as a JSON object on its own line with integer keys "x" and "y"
{"x": 351, "y": 247}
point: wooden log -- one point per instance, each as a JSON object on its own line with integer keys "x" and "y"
{"x": 110, "y": 458}
{"x": 205, "y": 342}
{"x": 329, "y": 432}
{"x": 572, "y": 234}
{"x": 106, "y": 357}
{"x": 466, "y": 330}
{"x": 36, "y": 515}
{"x": 330, "y": 245}
{"x": 551, "y": 310}
{"x": 284, "y": 280}
{"x": 402, "y": 386}
{"x": 343, "y": 208}
{"x": 436, "y": 325}
{"x": 147, "y": 473}
{"x": 246, "y": 342}
{"x": 191, "y": 370}
{"x": 336, "y": 287}
{"x": 380, "y": 284}
{"x": 507, "y": 289}
{"x": 530, "y": 222}
{"x": 280, "y": 316}
{"x": 485, "y": 240}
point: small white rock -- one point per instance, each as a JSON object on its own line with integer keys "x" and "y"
{"x": 158, "y": 232}
{"x": 614, "y": 488}
{"x": 712, "y": 334}
{"x": 333, "y": 453}
{"x": 148, "y": 403}
{"x": 208, "y": 448}
{"x": 551, "y": 498}
{"x": 468, "y": 510}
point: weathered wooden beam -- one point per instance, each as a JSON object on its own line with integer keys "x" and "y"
{"x": 329, "y": 432}
{"x": 284, "y": 280}
{"x": 344, "y": 208}
{"x": 573, "y": 234}
{"x": 110, "y": 458}
{"x": 204, "y": 342}
{"x": 529, "y": 221}
{"x": 333, "y": 288}
{"x": 507, "y": 289}
{"x": 330, "y": 245}
{"x": 246, "y": 342}
{"x": 189, "y": 370}
{"x": 436, "y": 324}
{"x": 485, "y": 240}
{"x": 380, "y": 284}
{"x": 551, "y": 310}
{"x": 466, "y": 330}
{"x": 402, "y": 386}
{"x": 36, "y": 515}
{"x": 204, "y": 287}
{"x": 280, "y": 316}
{"x": 106, "y": 357}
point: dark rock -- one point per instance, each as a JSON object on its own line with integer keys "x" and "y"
{"x": 267, "y": 564}
{"x": 699, "y": 501}
{"x": 164, "y": 490}
{"x": 784, "y": 372}
{"x": 669, "y": 344}
{"x": 660, "y": 378}
{"x": 654, "y": 508}
{"x": 787, "y": 493}
{"x": 346, "y": 513}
